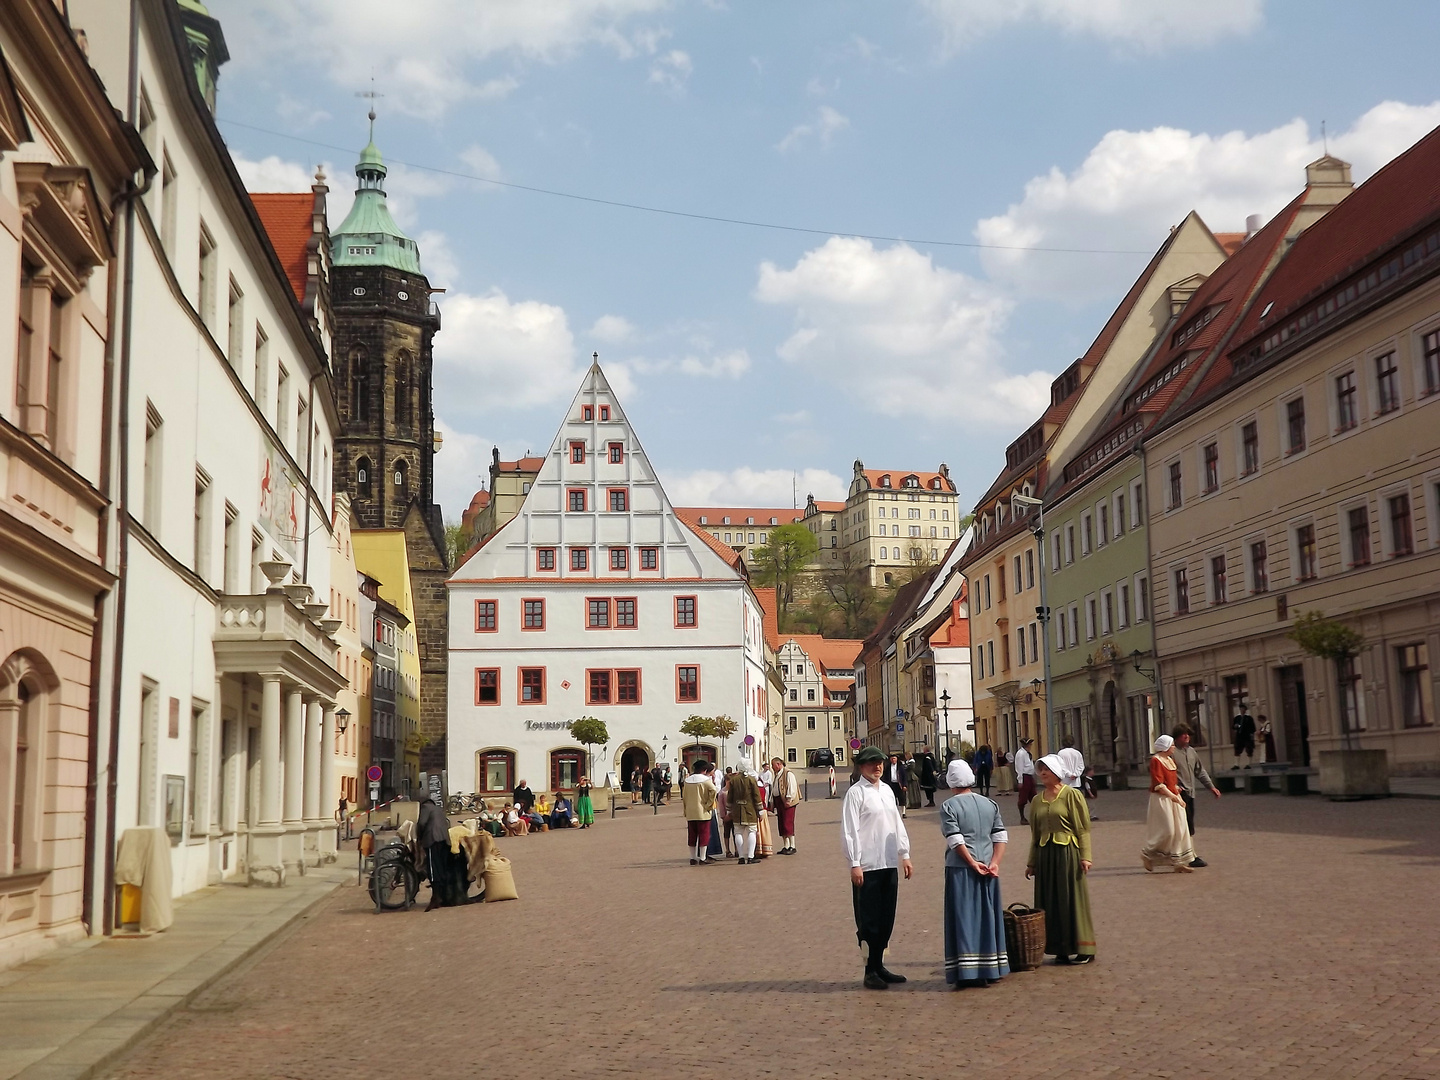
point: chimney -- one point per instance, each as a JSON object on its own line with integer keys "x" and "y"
{"x": 1252, "y": 225}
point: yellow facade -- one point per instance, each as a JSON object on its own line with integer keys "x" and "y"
{"x": 381, "y": 554}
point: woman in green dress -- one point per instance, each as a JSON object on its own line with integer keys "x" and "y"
{"x": 1059, "y": 861}
{"x": 584, "y": 808}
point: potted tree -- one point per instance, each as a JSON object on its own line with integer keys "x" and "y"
{"x": 588, "y": 731}
{"x": 1350, "y": 772}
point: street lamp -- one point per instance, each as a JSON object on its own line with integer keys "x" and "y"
{"x": 1042, "y": 613}
{"x": 342, "y": 720}
{"x": 945, "y": 712}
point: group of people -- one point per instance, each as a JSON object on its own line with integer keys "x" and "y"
{"x": 528, "y": 813}
{"x": 738, "y": 816}
{"x": 650, "y": 786}
{"x": 908, "y": 777}
{"x": 1176, "y": 775}
{"x": 878, "y": 850}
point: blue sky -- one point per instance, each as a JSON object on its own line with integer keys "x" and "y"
{"x": 747, "y": 354}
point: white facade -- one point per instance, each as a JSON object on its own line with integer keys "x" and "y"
{"x": 596, "y": 600}
{"x": 223, "y": 706}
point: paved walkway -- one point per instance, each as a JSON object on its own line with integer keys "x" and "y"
{"x": 72, "y": 1010}
{"x": 1305, "y": 950}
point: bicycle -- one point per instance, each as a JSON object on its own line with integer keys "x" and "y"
{"x": 393, "y": 881}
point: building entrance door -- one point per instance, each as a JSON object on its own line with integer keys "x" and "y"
{"x": 637, "y": 757}
{"x": 1293, "y": 715}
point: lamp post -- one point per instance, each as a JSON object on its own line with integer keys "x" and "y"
{"x": 1042, "y": 613}
{"x": 945, "y": 712}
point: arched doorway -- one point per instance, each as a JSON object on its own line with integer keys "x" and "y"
{"x": 693, "y": 753}
{"x": 632, "y": 758}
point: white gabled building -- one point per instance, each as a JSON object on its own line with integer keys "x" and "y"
{"x": 597, "y": 600}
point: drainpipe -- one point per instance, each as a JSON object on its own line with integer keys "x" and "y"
{"x": 122, "y": 516}
{"x": 309, "y": 489}
{"x": 1154, "y": 641}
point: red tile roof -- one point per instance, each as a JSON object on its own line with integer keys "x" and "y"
{"x": 524, "y": 465}
{"x": 478, "y": 503}
{"x": 769, "y": 616}
{"x": 838, "y": 653}
{"x": 829, "y": 507}
{"x": 289, "y": 222}
{"x": 725, "y": 551}
{"x": 1379, "y": 212}
{"x": 715, "y": 515}
{"x": 1230, "y": 241}
{"x": 897, "y": 476}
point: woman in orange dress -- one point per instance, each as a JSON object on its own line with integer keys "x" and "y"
{"x": 1167, "y": 837}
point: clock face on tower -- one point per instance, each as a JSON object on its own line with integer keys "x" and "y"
{"x": 403, "y": 295}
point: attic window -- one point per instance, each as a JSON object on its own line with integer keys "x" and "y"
{"x": 704, "y": 520}
{"x": 1268, "y": 306}
{"x": 355, "y": 250}
{"x": 776, "y": 521}
{"x": 935, "y": 483}
{"x": 885, "y": 481}
{"x": 749, "y": 521}
{"x": 604, "y": 412}
{"x": 725, "y": 521}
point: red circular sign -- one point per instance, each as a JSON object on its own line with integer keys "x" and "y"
{"x": 374, "y": 773}
{"x": 855, "y": 744}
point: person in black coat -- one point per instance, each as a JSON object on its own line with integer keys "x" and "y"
{"x": 524, "y": 797}
{"x": 432, "y": 833}
{"x": 929, "y": 775}
{"x": 896, "y": 777}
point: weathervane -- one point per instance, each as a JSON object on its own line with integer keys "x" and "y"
{"x": 372, "y": 94}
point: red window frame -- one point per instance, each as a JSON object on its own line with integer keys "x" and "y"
{"x": 597, "y": 678}
{"x": 487, "y": 679}
{"x": 617, "y": 613}
{"x": 583, "y": 554}
{"x": 604, "y": 412}
{"x": 524, "y": 682}
{"x": 680, "y": 624}
{"x": 624, "y": 500}
{"x": 681, "y": 683}
{"x": 570, "y": 494}
{"x": 577, "y": 453}
{"x": 482, "y": 617}
{"x": 619, "y": 558}
{"x": 540, "y": 558}
{"x": 649, "y": 555}
{"x": 627, "y": 694}
{"x": 591, "y": 611}
{"x": 485, "y": 757}
{"x": 526, "y": 614}
{"x": 617, "y": 453}
{"x": 587, "y": 412}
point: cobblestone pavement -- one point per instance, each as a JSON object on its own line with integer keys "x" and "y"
{"x": 1306, "y": 949}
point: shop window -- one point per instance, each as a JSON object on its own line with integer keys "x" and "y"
{"x": 566, "y": 769}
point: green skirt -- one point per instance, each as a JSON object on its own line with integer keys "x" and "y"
{"x": 585, "y": 810}
{"x": 1062, "y": 893}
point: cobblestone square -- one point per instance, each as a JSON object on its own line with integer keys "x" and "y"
{"x": 1306, "y": 949}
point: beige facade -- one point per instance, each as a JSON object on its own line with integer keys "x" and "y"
{"x": 742, "y": 528}
{"x": 1306, "y": 477}
{"x": 351, "y": 658}
{"x": 510, "y": 482}
{"x": 65, "y": 159}
{"x": 818, "y": 673}
{"x": 893, "y": 520}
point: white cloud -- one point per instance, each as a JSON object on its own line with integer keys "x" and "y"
{"x": 427, "y": 55}
{"x": 481, "y": 162}
{"x": 827, "y": 124}
{"x": 671, "y": 71}
{"x": 904, "y": 336}
{"x": 1134, "y": 185}
{"x": 730, "y": 365}
{"x": 497, "y": 355}
{"x": 1147, "y": 24}
{"x": 437, "y": 258}
{"x": 461, "y": 468}
{"x": 754, "y": 487}
{"x": 613, "y": 329}
{"x": 275, "y": 174}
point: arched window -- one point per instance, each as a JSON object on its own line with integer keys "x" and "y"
{"x": 402, "y": 390}
{"x": 566, "y": 768}
{"x": 496, "y": 770}
{"x": 362, "y": 478}
{"x": 401, "y": 471}
{"x": 25, "y": 689}
{"x": 359, "y": 385}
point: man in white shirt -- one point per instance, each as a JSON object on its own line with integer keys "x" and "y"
{"x": 877, "y": 848}
{"x": 1024, "y": 776}
{"x": 1073, "y": 761}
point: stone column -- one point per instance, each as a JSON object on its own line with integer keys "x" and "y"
{"x": 264, "y": 861}
{"x": 329, "y": 799}
{"x": 294, "y": 779}
{"x": 313, "y": 768}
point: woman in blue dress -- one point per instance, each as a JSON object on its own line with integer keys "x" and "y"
{"x": 975, "y": 840}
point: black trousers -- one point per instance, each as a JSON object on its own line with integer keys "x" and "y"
{"x": 1189, "y": 810}
{"x": 874, "y": 903}
{"x": 982, "y": 780}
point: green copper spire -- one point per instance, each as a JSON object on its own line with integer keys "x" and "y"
{"x": 369, "y": 236}
{"x": 207, "y": 46}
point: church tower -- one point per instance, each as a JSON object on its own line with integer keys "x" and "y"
{"x": 384, "y": 322}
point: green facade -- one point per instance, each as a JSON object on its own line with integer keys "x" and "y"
{"x": 1100, "y": 608}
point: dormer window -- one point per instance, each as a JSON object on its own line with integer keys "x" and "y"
{"x": 749, "y": 521}
{"x": 935, "y": 483}
{"x": 776, "y": 521}
{"x": 885, "y": 481}
{"x": 724, "y": 521}
{"x": 704, "y": 520}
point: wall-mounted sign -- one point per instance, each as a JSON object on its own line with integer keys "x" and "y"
{"x": 546, "y": 725}
{"x": 281, "y": 499}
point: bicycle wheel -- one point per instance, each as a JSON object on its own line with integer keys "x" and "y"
{"x": 392, "y": 887}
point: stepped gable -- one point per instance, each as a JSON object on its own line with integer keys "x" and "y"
{"x": 579, "y": 471}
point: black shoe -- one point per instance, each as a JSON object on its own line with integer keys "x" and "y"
{"x": 889, "y": 976}
{"x": 874, "y": 981}
{"x": 1084, "y": 958}
{"x": 1198, "y": 862}
{"x": 1063, "y": 959}
{"x": 694, "y": 862}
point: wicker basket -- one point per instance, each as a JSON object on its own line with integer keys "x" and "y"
{"x": 1024, "y": 937}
